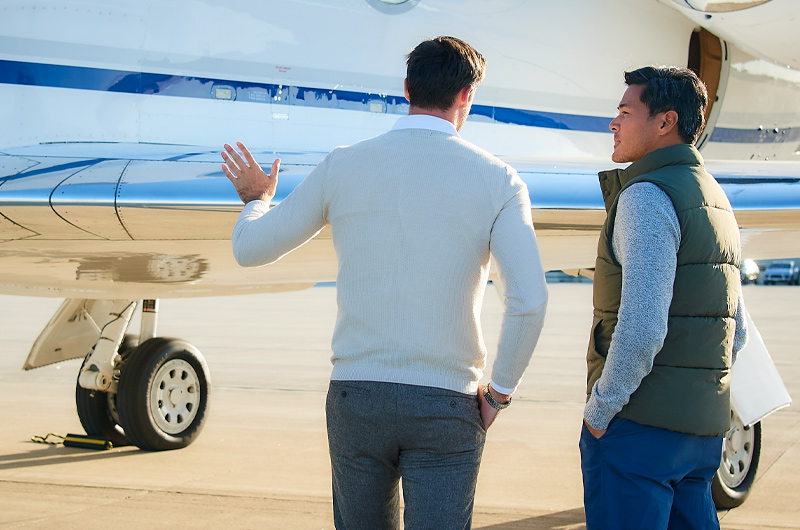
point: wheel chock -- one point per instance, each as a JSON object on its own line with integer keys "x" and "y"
{"x": 81, "y": 441}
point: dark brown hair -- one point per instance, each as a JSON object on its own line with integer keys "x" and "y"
{"x": 438, "y": 69}
{"x": 672, "y": 88}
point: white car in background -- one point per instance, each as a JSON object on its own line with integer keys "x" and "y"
{"x": 785, "y": 271}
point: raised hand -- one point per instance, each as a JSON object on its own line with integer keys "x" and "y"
{"x": 251, "y": 182}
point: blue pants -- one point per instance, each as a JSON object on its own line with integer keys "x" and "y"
{"x": 638, "y": 477}
{"x": 380, "y": 432}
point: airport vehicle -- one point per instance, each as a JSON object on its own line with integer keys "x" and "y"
{"x": 750, "y": 271}
{"x": 112, "y": 197}
{"x": 782, "y": 272}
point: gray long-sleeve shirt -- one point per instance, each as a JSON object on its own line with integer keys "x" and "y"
{"x": 645, "y": 242}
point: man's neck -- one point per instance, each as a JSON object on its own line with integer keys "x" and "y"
{"x": 662, "y": 145}
{"x": 448, "y": 115}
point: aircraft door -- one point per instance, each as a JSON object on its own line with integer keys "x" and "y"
{"x": 708, "y": 58}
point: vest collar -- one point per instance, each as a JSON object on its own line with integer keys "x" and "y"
{"x": 613, "y": 180}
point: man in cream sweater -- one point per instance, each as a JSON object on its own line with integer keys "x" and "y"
{"x": 415, "y": 214}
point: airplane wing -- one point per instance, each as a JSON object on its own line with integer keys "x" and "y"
{"x": 145, "y": 222}
{"x": 136, "y": 221}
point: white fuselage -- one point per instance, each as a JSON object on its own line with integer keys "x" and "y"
{"x": 308, "y": 75}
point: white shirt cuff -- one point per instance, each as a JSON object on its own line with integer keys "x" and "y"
{"x": 502, "y": 389}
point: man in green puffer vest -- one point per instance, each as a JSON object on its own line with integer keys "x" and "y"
{"x": 668, "y": 317}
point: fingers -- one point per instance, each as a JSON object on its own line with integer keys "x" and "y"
{"x": 233, "y": 159}
{"x": 228, "y": 172}
{"x": 237, "y": 164}
{"x": 230, "y": 168}
{"x": 488, "y": 413}
{"x": 235, "y": 167}
{"x": 276, "y": 167}
{"x": 597, "y": 433}
{"x": 247, "y": 155}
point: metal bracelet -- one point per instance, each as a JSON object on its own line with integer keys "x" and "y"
{"x": 492, "y": 401}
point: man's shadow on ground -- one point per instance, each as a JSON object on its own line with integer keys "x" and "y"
{"x": 574, "y": 519}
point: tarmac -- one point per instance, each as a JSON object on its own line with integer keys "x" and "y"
{"x": 261, "y": 460}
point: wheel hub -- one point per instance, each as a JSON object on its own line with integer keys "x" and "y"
{"x": 175, "y": 396}
{"x": 734, "y": 440}
{"x": 737, "y": 453}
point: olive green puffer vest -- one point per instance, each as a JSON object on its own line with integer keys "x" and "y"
{"x": 688, "y": 389}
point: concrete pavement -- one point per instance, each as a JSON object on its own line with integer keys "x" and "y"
{"x": 261, "y": 461}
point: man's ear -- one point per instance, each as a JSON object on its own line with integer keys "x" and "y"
{"x": 669, "y": 123}
{"x": 465, "y": 96}
{"x": 405, "y": 89}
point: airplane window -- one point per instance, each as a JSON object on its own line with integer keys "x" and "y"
{"x": 720, "y": 6}
{"x": 393, "y": 7}
{"x": 223, "y": 92}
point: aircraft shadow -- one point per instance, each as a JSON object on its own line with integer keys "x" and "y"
{"x": 54, "y": 454}
{"x": 567, "y": 520}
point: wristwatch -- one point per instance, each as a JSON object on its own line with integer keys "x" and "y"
{"x": 492, "y": 401}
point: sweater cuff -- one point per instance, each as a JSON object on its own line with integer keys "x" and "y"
{"x": 597, "y": 414}
{"x": 257, "y": 206}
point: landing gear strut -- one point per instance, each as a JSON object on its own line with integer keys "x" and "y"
{"x": 97, "y": 410}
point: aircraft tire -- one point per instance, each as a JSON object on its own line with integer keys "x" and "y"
{"x": 97, "y": 410}
{"x": 163, "y": 394}
{"x": 741, "y": 452}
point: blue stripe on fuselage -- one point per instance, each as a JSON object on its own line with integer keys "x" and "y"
{"x": 85, "y": 78}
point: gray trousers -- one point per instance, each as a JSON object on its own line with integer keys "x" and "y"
{"x": 380, "y": 432}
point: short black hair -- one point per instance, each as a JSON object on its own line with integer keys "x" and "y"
{"x": 438, "y": 69}
{"x": 673, "y": 88}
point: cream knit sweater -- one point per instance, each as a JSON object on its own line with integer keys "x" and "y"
{"x": 415, "y": 214}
